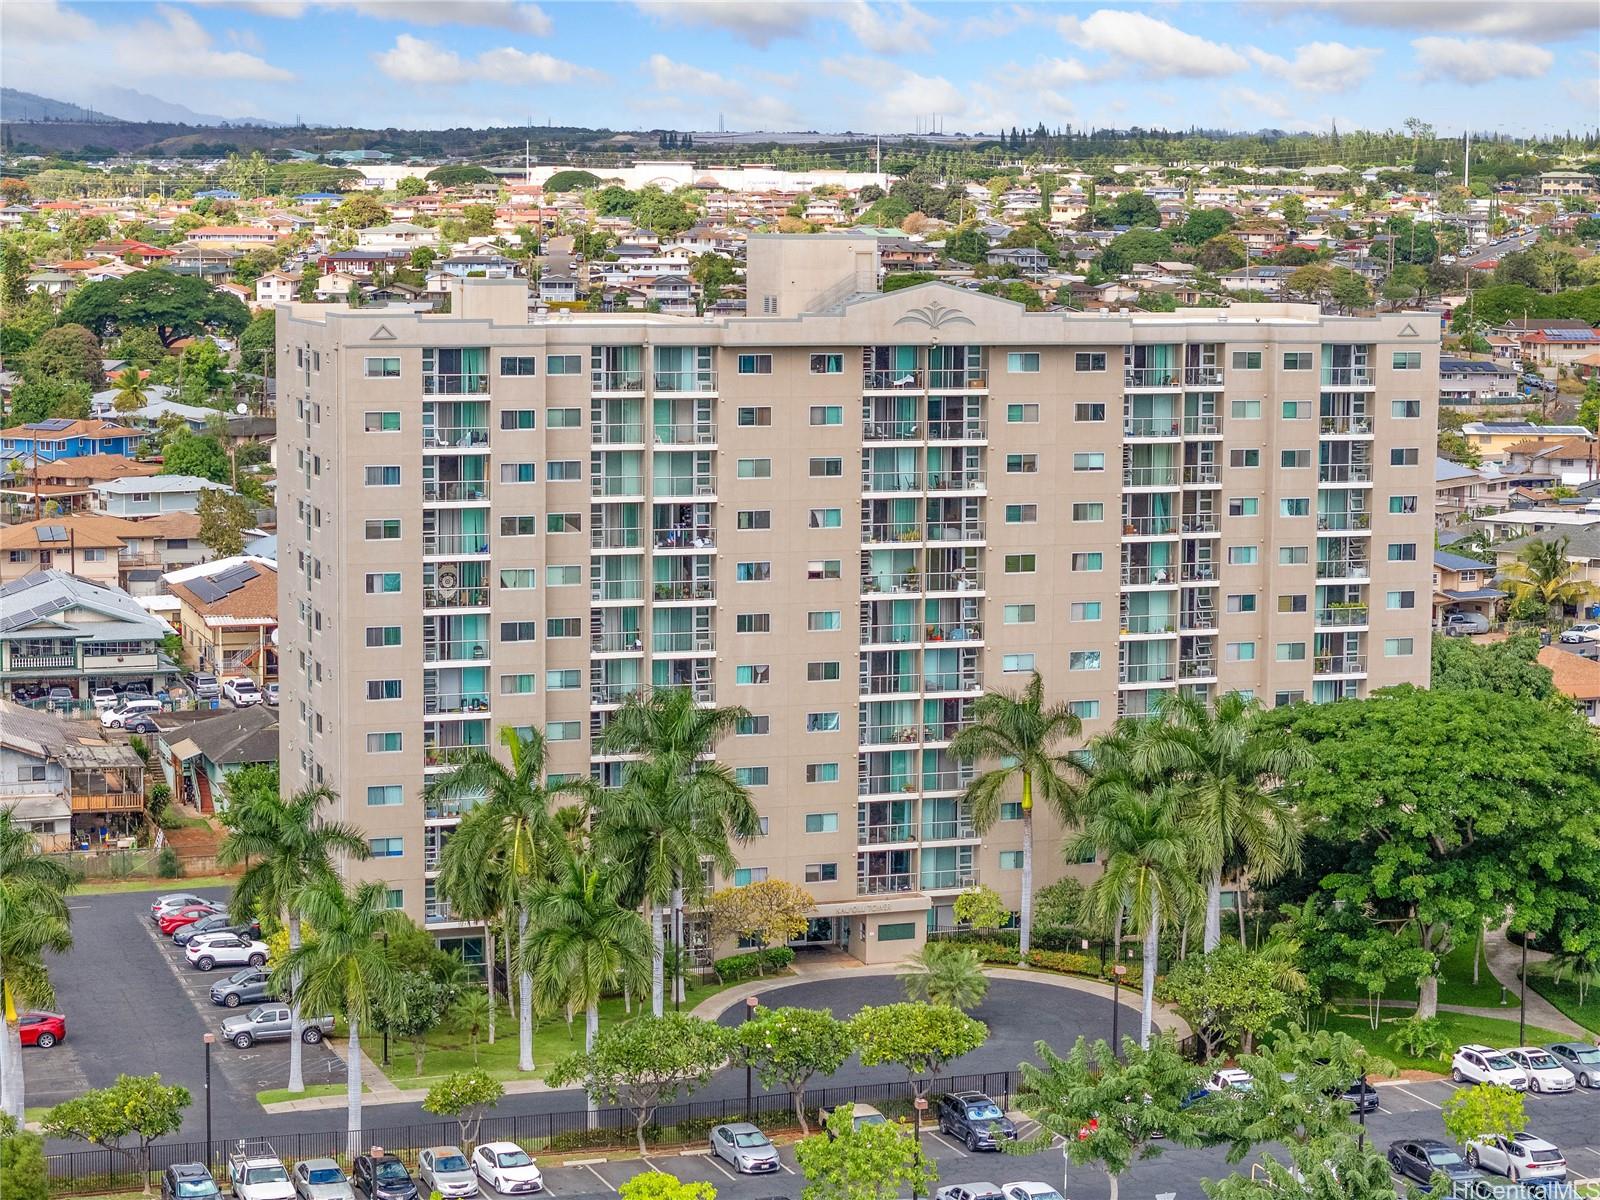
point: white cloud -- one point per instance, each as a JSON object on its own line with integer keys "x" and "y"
{"x": 184, "y": 48}
{"x": 900, "y": 28}
{"x": 998, "y": 22}
{"x": 758, "y": 22}
{"x": 486, "y": 14}
{"x": 1153, "y": 47}
{"x": 896, "y": 98}
{"x": 1473, "y": 61}
{"x": 1264, "y": 103}
{"x": 684, "y": 87}
{"x": 172, "y": 44}
{"x": 46, "y": 22}
{"x": 1046, "y": 73}
{"x": 1539, "y": 20}
{"x": 669, "y": 76}
{"x": 417, "y": 61}
{"x": 1320, "y": 66}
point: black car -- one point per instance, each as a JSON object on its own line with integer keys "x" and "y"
{"x": 140, "y": 723}
{"x": 1421, "y": 1159}
{"x": 188, "y": 1181}
{"x": 973, "y": 1118}
{"x": 1360, "y": 1095}
{"x": 383, "y": 1177}
{"x": 217, "y": 922}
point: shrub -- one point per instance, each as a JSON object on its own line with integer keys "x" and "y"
{"x": 747, "y": 966}
{"x": 168, "y": 864}
{"x": 1419, "y": 1037}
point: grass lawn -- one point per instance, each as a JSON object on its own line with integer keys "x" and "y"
{"x": 1565, "y": 997}
{"x": 1458, "y": 1028}
{"x": 279, "y": 1095}
{"x": 450, "y": 1051}
{"x": 104, "y": 887}
{"x": 1456, "y": 986}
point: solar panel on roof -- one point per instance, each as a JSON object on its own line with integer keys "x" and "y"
{"x": 234, "y": 578}
{"x": 52, "y": 533}
{"x": 1569, "y": 335}
{"x": 53, "y": 424}
{"x": 206, "y": 590}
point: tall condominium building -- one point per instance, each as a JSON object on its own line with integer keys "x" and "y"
{"x": 849, "y": 513}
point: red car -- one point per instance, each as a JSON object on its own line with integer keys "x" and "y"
{"x": 170, "y": 923}
{"x": 41, "y": 1029}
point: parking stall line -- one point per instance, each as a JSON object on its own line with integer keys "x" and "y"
{"x": 936, "y": 1136}
{"x": 599, "y": 1176}
{"x": 712, "y": 1159}
{"x": 1414, "y": 1096}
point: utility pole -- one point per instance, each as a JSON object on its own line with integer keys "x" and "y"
{"x": 1466, "y": 160}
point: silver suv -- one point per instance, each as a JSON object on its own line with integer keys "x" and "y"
{"x": 271, "y": 1023}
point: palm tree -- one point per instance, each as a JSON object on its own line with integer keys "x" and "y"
{"x": 676, "y": 807}
{"x": 285, "y": 848}
{"x": 1022, "y": 734}
{"x": 472, "y": 1013}
{"x": 1131, "y": 820}
{"x": 475, "y": 891}
{"x": 1229, "y": 764}
{"x": 1544, "y": 572}
{"x": 508, "y": 837}
{"x": 946, "y": 973}
{"x": 347, "y": 969}
{"x": 33, "y": 919}
{"x": 130, "y": 391}
{"x": 584, "y": 939}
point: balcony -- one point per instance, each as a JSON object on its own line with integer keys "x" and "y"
{"x": 953, "y": 631}
{"x": 681, "y": 642}
{"x": 1347, "y": 377}
{"x": 1344, "y": 473}
{"x": 698, "y": 381}
{"x": 891, "y": 481}
{"x": 458, "y": 597}
{"x": 1202, "y": 475}
{"x": 685, "y": 433}
{"x": 887, "y": 785}
{"x": 1146, "y": 623}
{"x": 612, "y": 693}
{"x": 454, "y": 491}
{"x": 964, "y": 479}
{"x": 42, "y": 662}
{"x": 1336, "y": 522}
{"x": 627, "y": 641}
{"x": 1141, "y": 673}
{"x": 465, "y": 650}
{"x": 1198, "y": 667}
{"x": 1204, "y": 425}
{"x": 1339, "y": 664}
{"x": 952, "y": 682}
{"x": 886, "y": 533}
{"x": 617, "y": 589}
{"x": 953, "y": 829}
{"x": 616, "y": 485}
{"x": 1202, "y": 377}
{"x": 891, "y": 685}
{"x": 1197, "y": 620}
{"x": 455, "y": 543}
{"x": 909, "y": 380}
{"x": 456, "y": 702}
{"x": 449, "y": 756}
{"x": 683, "y": 589}
{"x": 962, "y": 580}
{"x": 884, "y": 834}
{"x": 617, "y": 381}
{"x": 1136, "y": 477}
{"x": 455, "y": 437}
{"x": 1201, "y": 523}
{"x": 951, "y": 779}
{"x": 891, "y": 431}
{"x": 439, "y": 384}
{"x": 1152, "y": 377}
{"x": 1354, "y": 426}
{"x": 952, "y": 879}
{"x": 625, "y": 538}
{"x": 955, "y": 531}
{"x": 1342, "y": 568}
{"x": 684, "y": 537}
{"x": 954, "y": 380}
{"x": 617, "y": 433}
{"x": 438, "y": 912}
{"x": 943, "y": 731}
{"x": 1342, "y": 616}
{"x": 890, "y": 635}
{"x": 1144, "y": 575}
{"x": 684, "y": 486}
{"x": 1198, "y": 572}
{"x": 1151, "y": 427}
{"x": 958, "y": 429}
{"x": 1149, "y": 526}
{"x": 891, "y": 582}
{"x": 889, "y": 735}
{"x": 883, "y": 885}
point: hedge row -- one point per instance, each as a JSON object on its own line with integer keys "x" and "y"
{"x": 758, "y": 962}
{"x": 1065, "y": 962}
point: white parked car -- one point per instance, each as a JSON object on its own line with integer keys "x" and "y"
{"x": 113, "y": 718}
{"x": 1480, "y": 1064}
{"x": 1031, "y": 1190}
{"x": 745, "y": 1148}
{"x": 1581, "y": 631}
{"x": 225, "y": 950}
{"x": 1230, "y": 1079}
{"x": 506, "y": 1167}
{"x": 1544, "y": 1073}
{"x": 1522, "y": 1158}
{"x": 104, "y": 698}
{"x": 242, "y": 690}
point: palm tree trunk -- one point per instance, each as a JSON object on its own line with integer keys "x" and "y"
{"x": 488, "y": 960}
{"x": 353, "y": 1089}
{"x": 524, "y": 994}
{"x": 591, "y": 1026}
{"x": 658, "y": 954}
{"x": 1238, "y": 907}
{"x": 12, "y": 1103}
{"x": 511, "y": 980}
{"x": 297, "y": 1080}
{"x": 1213, "y": 931}
{"x": 1152, "y": 937}
{"x": 1025, "y": 939}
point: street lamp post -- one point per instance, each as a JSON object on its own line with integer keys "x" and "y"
{"x": 386, "y": 1024}
{"x": 1117, "y": 972}
{"x": 750, "y": 1003}
{"x": 918, "y": 1107}
{"x": 208, "y": 1039}
{"x": 1522, "y": 990}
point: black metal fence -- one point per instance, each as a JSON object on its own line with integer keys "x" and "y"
{"x": 90, "y": 1172}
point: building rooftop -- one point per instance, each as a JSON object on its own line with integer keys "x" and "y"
{"x": 1459, "y": 562}
{"x": 157, "y": 483}
{"x": 44, "y": 595}
{"x": 242, "y": 588}
{"x": 1573, "y": 674}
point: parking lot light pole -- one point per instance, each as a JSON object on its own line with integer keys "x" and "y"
{"x": 208, "y": 1039}
{"x": 1117, "y": 972}
{"x": 918, "y": 1107}
{"x": 1522, "y": 997}
{"x": 750, "y": 1003}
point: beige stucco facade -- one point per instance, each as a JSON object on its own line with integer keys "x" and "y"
{"x": 849, "y": 518}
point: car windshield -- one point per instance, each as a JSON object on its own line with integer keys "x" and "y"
{"x": 1500, "y": 1062}
{"x": 747, "y": 1140}
{"x": 196, "y": 1187}
{"x": 984, "y": 1112}
{"x": 513, "y": 1158}
{"x": 872, "y": 1119}
{"x": 244, "y": 976}
{"x": 1586, "y": 1055}
{"x": 272, "y": 1174}
{"x": 390, "y": 1170}
{"x": 1443, "y": 1157}
{"x": 260, "y": 1014}
{"x": 450, "y": 1162}
{"x": 1542, "y": 1062}
{"x": 327, "y": 1175}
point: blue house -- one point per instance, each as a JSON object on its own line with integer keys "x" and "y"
{"x": 61, "y": 437}
{"x": 216, "y": 194}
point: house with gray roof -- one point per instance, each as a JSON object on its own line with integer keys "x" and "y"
{"x": 67, "y": 787}
{"x": 197, "y": 755}
{"x": 57, "y": 630}
{"x": 150, "y": 496}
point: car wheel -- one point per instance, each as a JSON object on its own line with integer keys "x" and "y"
{"x": 257, "y": 960}
{"x": 1535, "y": 1086}
{"x": 1455, "y": 1074}
{"x": 205, "y": 962}
{"x": 1585, "y": 1080}
{"x": 46, "y": 1040}
{"x": 231, "y": 1000}
{"x": 243, "y": 1040}
{"x": 972, "y": 1142}
{"x": 1472, "y": 1158}
{"x": 311, "y": 1035}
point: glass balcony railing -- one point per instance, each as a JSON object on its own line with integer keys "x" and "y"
{"x": 1342, "y": 568}
{"x": 955, "y": 379}
{"x": 1149, "y": 526}
{"x": 684, "y": 589}
{"x": 1157, "y": 672}
{"x": 1198, "y": 572}
{"x": 1200, "y": 523}
{"x": 437, "y": 384}
{"x": 890, "y": 685}
{"x": 686, "y": 381}
{"x": 1346, "y": 376}
{"x": 681, "y": 642}
{"x": 626, "y": 538}
{"x": 1202, "y": 473}
{"x": 883, "y": 533}
{"x": 1197, "y": 620}
{"x": 449, "y": 756}
{"x": 455, "y": 437}
{"x": 451, "y": 491}
{"x": 1344, "y": 472}
{"x": 1159, "y": 427}
{"x": 685, "y": 433}
{"x": 617, "y": 642}
{"x": 1204, "y": 425}
{"x": 890, "y": 635}
{"x": 458, "y": 597}
{"x": 882, "y": 885}
{"x": 464, "y": 650}
{"x": 617, "y": 433}
{"x": 943, "y": 731}
{"x": 1339, "y": 664}
{"x": 891, "y": 481}
{"x": 1344, "y": 521}
{"x": 1199, "y": 667}
{"x": 889, "y": 735}
{"x": 884, "y": 834}
{"x": 965, "y": 479}
{"x": 953, "y": 631}
{"x": 616, "y": 485}
{"x": 1347, "y": 424}
{"x": 883, "y": 582}
{"x": 890, "y": 431}
{"x": 936, "y": 880}
{"x": 953, "y": 779}
{"x": 892, "y": 381}
{"x": 455, "y": 543}
{"x": 1342, "y": 615}
{"x": 1151, "y": 377}
{"x": 456, "y": 702}
{"x": 951, "y": 681}
{"x": 617, "y": 589}
{"x": 1143, "y": 575}
{"x": 945, "y": 830}
{"x": 1149, "y": 477}
{"x": 1148, "y": 623}
{"x": 958, "y": 429}
{"x": 668, "y": 486}
{"x": 612, "y": 693}
{"x": 684, "y": 537}
{"x": 964, "y": 580}
{"x": 892, "y": 784}
{"x": 1202, "y": 377}
{"x": 955, "y": 531}
{"x": 616, "y": 381}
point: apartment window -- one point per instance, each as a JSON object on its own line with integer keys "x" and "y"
{"x": 1245, "y": 410}
{"x": 383, "y": 422}
{"x": 566, "y": 575}
{"x": 519, "y": 578}
{"x": 1022, "y": 414}
{"x": 563, "y": 364}
{"x": 386, "y": 847}
{"x": 1239, "y": 652}
{"x": 1243, "y": 506}
{"x": 562, "y": 627}
{"x": 827, "y": 822}
{"x": 1247, "y": 360}
{"x": 822, "y": 568}
{"x": 752, "y": 623}
{"x": 1397, "y": 647}
{"x": 1402, "y": 552}
{"x": 827, "y": 414}
{"x": 383, "y": 635}
{"x": 1089, "y": 411}
{"x": 1291, "y": 651}
{"x": 1089, "y": 511}
{"x": 381, "y": 368}
{"x": 1407, "y": 360}
{"x": 383, "y": 743}
{"x": 1402, "y": 504}
{"x": 824, "y": 620}
{"x": 1011, "y": 860}
{"x": 563, "y": 731}
{"x": 563, "y": 681}
{"x": 386, "y": 530}
{"x": 1091, "y": 361}
{"x": 1293, "y": 556}
{"x": 564, "y": 470}
{"x": 1092, "y": 560}
{"x": 1297, "y": 410}
{"x": 826, "y": 518}
{"x": 1403, "y": 456}
{"x": 1021, "y": 514}
{"x": 1083, "y": 610}
{"x": 751, "y": 417}
{"x": 519, "y": 526}
{"x": 1295, "y": 506}
{"x": 1088, "y": 462}
{"x": 1084, "y": 710}
{"x": 1243, "y": 556}
{"x": 561, "y": 522}
{"x": 1405, "y": 409}
{"x": 745, "y": 876}
{"x": 1244, "y": 459}
{"x": 822, "y": 872}
{"x": 1013, "y": 663}
{"x": 517, "y": 685}
{"x": 827, "y": 364}
{"x": 1021, "y": 564}
{"x": 822, "y": 672}
{"x": 826, "y": 468}
{"x": 822, "y": 722}
{"x": 383, "y": 476}
{"x": 1398, "y": 600}
{"x": 1284, "y": 699}
{"x": 752, "y": 726}
{"x": 822, "y": 773}
{"x": 519, "y": 418}
{"x": 754, "y": 518}
{"x": 755, "y": 364}
{"x": 518, "y": 364}
{"x": 383, "y": 583}
{"x": 752, "y": 674}
{"x": 753, "y": 572}
{"x": 1294, "y": 460}
{"x": 564, "y": 418}
{"x": 1019, "y": 614}
{"x": 1023, "y": 363}
{"x": 385, "y": 795}
{"x": 1242, "y": 602}
{"x": 1083, "y": 660}
{"x": 755, "y": 468}
{"x": 383, "y": 689}
{"x": 1297, "y": 360}
{"x": 1292, "y": 603}
{"x": 1022, "y": 464}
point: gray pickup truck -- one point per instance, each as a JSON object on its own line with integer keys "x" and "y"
{"x": 270, "y": 1023}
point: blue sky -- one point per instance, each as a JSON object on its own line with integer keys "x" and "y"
{"x": 1521, "y": 65}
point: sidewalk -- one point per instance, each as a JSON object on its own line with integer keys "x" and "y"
{"x": 1504, "y": 961}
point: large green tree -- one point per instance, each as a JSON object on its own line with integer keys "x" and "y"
{"x": 863, "y": 1162}
{"x": 1510, "y": 666}
{"x": 34, "y": 921}
{"x": 788, "y": 1046}
{"x": 69, "y": 352}
{"x": 921, "y": 1039}
{"x": 1546, "y": 575}
{"x": 124, "y": 1118}
{"x": 175, "y": 306}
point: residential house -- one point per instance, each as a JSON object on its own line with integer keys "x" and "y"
{"x": 1466, "y": 382}
{"x": 396, "y": 235}
{"x": 1555, "y": 347}
{"x": 1026, "y": 259}
{"x": 84, "y": 545}
{"x": 1576, "y": 675}
{"x": 1462, "y": 584}
{"x": 558, "y": 289}
{"x": 246, "y": 236}
{"x": 70, "y": 788}
{"x": 149, "y": 496}
{"x": 487, "y": 266}
{"x": 902, "y": 254}
{"x": 197, "y": 755}
{"x": 141, "y": 253}
{"x": 62, "y": 437}
{"x": 57, "y": 630}
{"x": 1574, "y": 461}
{"x": 31, "y": 485}
{"x": 673, "y": 294}
{"x": 1492, "y": 439}
{"x": 211, "y": 263}
{"x": 1566, "y": 183}
{"x": 362, "y": 262}
{"x": 1551, "y": 522}
{"x": 1583, "y": 551}
{"x": 228, "y": 615}
{"x": 277, "y": 287}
